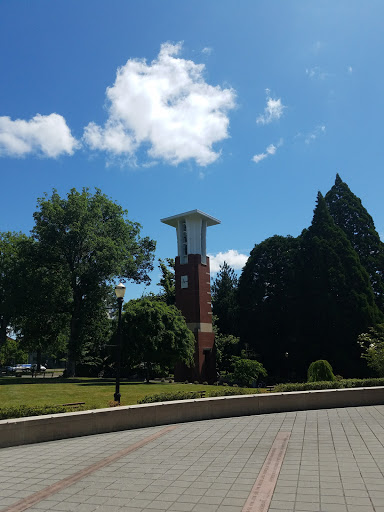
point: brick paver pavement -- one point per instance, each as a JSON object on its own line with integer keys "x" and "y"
{"x": 334, "y": 463}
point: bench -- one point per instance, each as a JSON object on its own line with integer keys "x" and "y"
{"x": 270, "y": 388}
{"x": 35, "y": 374}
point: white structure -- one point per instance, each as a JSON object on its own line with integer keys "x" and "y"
{"x": 191, "y": 228}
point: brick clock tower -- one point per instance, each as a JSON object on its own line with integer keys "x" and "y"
{"x": 193, "y": 291}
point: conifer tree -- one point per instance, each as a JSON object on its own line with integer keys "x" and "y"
{"x": 224, "y": 300}
{"x": 336, "y": 299}
{"x": 350, "y": 215}
{"x": 267, "y": 301}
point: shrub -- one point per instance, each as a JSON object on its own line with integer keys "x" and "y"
{"x": 372, "y": 343}
{"x": 188, "y": 395}
{"x": 167, "y": 397}
{"x": 247, "y": 371}
{"x": 22, "y": 411}
{"x": 337, "y": 384}
{"x": 196, "y": 382}
{"x": 320, "y": 371}
{"x": 232, "y": 392}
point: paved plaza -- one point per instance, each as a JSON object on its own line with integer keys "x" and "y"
{"x": 334, "y": 462}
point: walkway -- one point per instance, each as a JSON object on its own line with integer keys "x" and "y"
{"x": 334, "y": 462}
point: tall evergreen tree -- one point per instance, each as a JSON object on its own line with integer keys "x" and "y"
{"x": 267, "y": 302}
{"x": 351, "y": 216}
{"x": 336, "y": 299}
{"x": 224, "y": 300}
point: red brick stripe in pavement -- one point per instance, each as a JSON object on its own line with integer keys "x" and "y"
{"x": 29, "y": 501}
{"x": 262, "y": 490}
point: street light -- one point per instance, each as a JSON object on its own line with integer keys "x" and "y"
{"x": 120, "y": 291}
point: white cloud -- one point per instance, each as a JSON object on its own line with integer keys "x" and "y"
{"x": 47, "y": 136}
{"x": 165, "y": 106}
{"x": 270, "y": 150}
{"x": 232, "y": 257}
{"x": 316, "y": 73}
{"x": 350, "y": 69}
{"x": 310, "y": 137}
{"x": 259, "y": 157}
{"x": 207, "y": 50}
{"x": 272, "y": 112}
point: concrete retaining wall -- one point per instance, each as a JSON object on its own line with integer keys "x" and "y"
{"x": 37, "y": 429}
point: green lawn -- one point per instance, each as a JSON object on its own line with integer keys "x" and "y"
{"x": 96, "y": 393}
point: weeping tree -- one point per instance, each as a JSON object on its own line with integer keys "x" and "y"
{"x": 155, "y": 334}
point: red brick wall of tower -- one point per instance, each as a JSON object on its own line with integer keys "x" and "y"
{"x": 195, "y": 304}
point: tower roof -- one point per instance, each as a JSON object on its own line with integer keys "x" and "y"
{"x": 172, "y": 221}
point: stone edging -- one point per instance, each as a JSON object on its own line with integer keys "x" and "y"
{"x": 38, "y": 429}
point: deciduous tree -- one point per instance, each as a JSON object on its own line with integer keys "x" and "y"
{"x": 12, "y": 249}
{"x": 155, "y": 333}
{"x": 372, "y": 345}
{"x": 87, "y": 241}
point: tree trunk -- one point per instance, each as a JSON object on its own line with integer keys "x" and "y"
{"x": 73, "y": 342}
{"x": 148, "y": 372}
{"x": 38, "y": 359}
{"x": 3, "y": 331}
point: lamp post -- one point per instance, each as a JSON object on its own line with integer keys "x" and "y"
{"x": 120, "y": 291}
{"x": 287, "y": 365}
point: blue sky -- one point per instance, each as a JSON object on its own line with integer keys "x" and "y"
{"x": 243, "y": 110}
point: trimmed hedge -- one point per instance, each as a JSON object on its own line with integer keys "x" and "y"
{"x": 188, "y": 395}
{"x": 22, "y": 411}
{"x": 233, "y": 392}
{"x": 167, "y": 397}
{"x": 338, "y": 384}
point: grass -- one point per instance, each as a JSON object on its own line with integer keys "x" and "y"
{"x": 96, "y": 393}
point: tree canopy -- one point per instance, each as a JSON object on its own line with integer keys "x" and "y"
{"x": 372, "y": 345}
{"x": 155, "y": 333}
{"x": 167, "y": 281}
{"x": 87, "y": 241}
{"x": 12, "y": 250}
{"x": 268, "y": 301}
{"x": 224, "y": 300}
{"x": 350, "y": 215}
{"x": 337, "y": 301}
{"x": 306, "y": 298}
